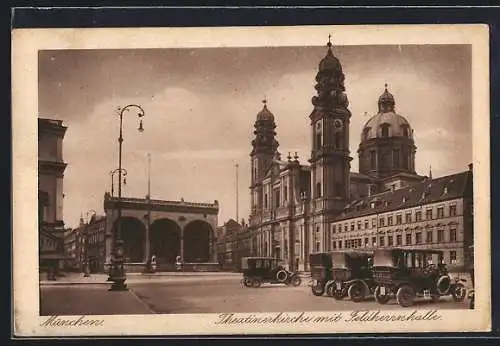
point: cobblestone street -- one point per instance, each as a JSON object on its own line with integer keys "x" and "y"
{"x": 201, "y": 294}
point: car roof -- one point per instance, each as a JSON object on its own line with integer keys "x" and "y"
{"x": 411, "y": 250}
{"x": 265, "y": 258}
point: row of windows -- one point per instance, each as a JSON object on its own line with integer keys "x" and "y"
{"x": 337, "y": 140}
{"x": 398, "y": 160}
{"x": 398, "y": 239}
{"x": 398, "y": 220}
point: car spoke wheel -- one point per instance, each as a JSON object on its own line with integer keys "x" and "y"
{"x": 443, "y": 285}
{"x": 356, "y": 292}
{"x": 318, "y": 289}
{"x": 281, "y": 276}
{"x": 405, "y": 296}
{"x": 247, "y": 282}
{"x": 381, "y": 298}
{"x": 330, "y": 288}
{"x": 459, "y": 293}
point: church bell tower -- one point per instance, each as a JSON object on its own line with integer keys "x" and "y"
{"x": 330, "y": 119}
{"x": 264, "y": 150}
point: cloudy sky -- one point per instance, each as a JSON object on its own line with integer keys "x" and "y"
{"x": 201, "y": 104}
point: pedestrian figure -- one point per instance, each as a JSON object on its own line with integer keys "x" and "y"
{"x": 153, "y": 263}
{"x": 178, "y": 263}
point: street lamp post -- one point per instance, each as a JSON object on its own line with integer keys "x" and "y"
{"x": 112, "y": 173}
{"x": 86, "y": 268}
{"x": 118, "y": 275}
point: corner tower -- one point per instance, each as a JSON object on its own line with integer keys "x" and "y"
{"x": 330, "y": 119}
{"x": 264, "y": 150}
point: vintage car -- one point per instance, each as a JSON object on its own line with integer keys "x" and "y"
{"x": 259, "y": 270}
{"x": 320, "y": 265}
{"x": 408, "y": 273}
{"x": 351, "y": 275}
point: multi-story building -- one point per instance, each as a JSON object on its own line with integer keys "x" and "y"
{"x": 87, "y": 242}
{"x": 73, "y": 245}
{"x": 50, "y": 194}
{"x": 297, "y": 209}
{"x": 433, "y": 214}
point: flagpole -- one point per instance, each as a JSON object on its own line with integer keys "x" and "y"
{"x": 149, "y": 175}
{"x": 237, "y": 199}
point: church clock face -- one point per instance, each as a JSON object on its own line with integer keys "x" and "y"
{"x": 338, "y": 124}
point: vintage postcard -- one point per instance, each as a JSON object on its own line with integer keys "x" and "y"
{"x": 251, "y": 180}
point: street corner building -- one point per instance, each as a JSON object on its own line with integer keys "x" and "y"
{"x": 298, "y": 209}
{"x": 51, "y": 169}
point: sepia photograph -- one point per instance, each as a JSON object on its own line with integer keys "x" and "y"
{"x": 307, "y": 179}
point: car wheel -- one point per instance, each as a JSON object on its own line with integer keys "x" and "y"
{"x": 330, "y": 289}
{"x": 405, "y": 296}
{"x": 247, "y": 282}
{"x": 458, "y": 293}
{"x": 281, "y": 276}
{"x": 443, "y": 285}
{"x": 296, "y": 280}
{"x": 356, "y": 292}
{"x": 381, "y": 298}
{"x": 318, "y": 289}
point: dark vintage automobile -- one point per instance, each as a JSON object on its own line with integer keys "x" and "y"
{"x": 321, "y": 271}
{"x": 351, "y": 275}
{"x": 408, "y": 273}
{"x": 259, "y": 270}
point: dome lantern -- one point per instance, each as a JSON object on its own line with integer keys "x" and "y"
{"x": 386, "y": 101}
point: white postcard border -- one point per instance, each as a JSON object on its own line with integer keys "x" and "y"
{"x": 25, "y": 46}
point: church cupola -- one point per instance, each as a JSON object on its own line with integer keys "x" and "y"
{"x": 330, "y": 82}
{"x": 387, "y": 145}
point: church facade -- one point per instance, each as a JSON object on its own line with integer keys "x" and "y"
{"x": 298, "y": 208}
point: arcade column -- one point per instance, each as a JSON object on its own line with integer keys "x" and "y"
{"x": 147, "y": 245}
{"x": 182, "y": 245}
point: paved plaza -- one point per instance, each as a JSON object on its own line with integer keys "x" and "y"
{"x": 205, "y": 293}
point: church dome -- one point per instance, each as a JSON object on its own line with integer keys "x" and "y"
{"x": 386, "y": 123}
{"x": 265, "y": 114}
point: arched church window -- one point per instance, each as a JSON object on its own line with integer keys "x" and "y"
{"x": 318, "y": 140}
{"x": 385, "y": 130}
{"x": 406, "y": 131}
{"x": 395, "y": 158}
{"x": 318, "y": 190}
{"x": 338, "y": 138}
{"x": 366, "y": 133}
{"x": 373, "y": 159}
{"x": 338, "y": 189}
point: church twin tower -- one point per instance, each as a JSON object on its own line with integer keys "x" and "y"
{"x": 330, "y": 160}
{"x": 294, "y": 205}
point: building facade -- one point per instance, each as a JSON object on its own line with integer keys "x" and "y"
{"x": 51, "y": 167}
{"x": 297, "y": 209}
{"x": 164, "y": 229}
{"x": 234, "y": 241}
{"x": 73, "y": 246}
